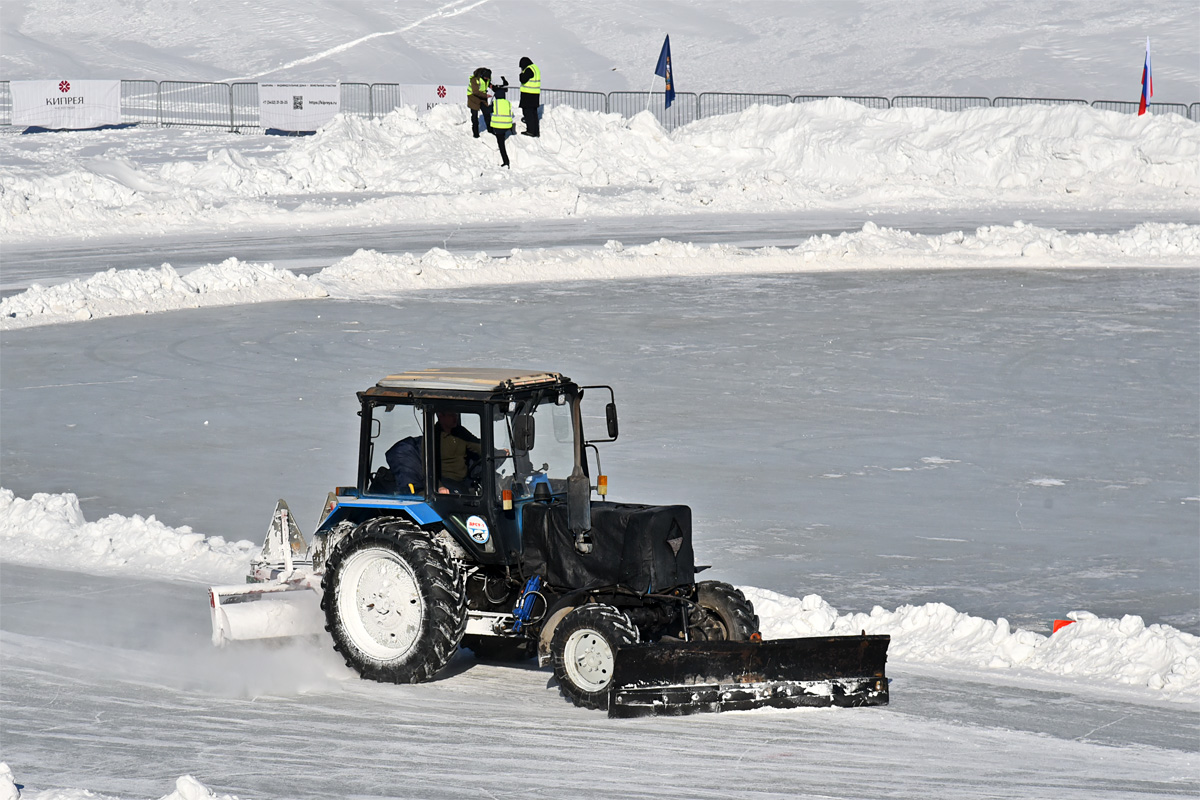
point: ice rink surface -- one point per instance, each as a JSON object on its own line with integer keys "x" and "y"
{"x": 120, "y": 674}
{"x": 1013, "y": 443}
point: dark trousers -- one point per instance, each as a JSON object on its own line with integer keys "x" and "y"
{"x": 487, "y": 119}
{"x": 500, "y": 137}
{"x": 529, "y": 113}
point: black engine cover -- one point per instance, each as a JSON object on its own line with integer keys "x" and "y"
{"x": 644, "y": 548}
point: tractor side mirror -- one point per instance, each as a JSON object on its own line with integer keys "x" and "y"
{"x": 610, "y": 415}
{"x": 523, "y": 432}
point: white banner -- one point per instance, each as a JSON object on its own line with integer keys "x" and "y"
{"x": 426, "y": 96}
{"x": 298, "y": 106}
{"x": 69, "y": 105}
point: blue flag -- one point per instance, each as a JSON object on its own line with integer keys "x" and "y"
{"x": 663, "y": 70}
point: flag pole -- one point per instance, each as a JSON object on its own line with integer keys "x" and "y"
{"x": 650, "y": 94}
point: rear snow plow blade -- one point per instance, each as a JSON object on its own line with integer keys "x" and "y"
{"x": 265, "y": 611}
{"x": 677, "y": 678}
{"x": 282, "y": 597}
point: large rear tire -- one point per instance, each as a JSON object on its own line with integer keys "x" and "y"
{"x": 725, "y": 615}
{"x": 394, "y": 602}
{"x": 584, "y": 649}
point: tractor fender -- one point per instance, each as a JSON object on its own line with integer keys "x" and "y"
{"x": 350, "y": 512}
{"x": 547, "y": 634}
{"x": 554, "y": 615}
{"x": 358, "y": 510}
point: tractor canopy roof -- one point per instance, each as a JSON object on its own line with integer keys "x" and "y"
{"x": 467, "y": 383}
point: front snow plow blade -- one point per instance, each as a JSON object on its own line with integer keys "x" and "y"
{"x": 677, "y": 678}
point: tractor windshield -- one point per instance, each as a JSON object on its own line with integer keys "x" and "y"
{"x": 552, "y": 456}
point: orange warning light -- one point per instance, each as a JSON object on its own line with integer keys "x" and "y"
{"x": 506, "y": 496}
{"x": 602, "y": 485}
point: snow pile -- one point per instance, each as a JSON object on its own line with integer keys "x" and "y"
{"x": 186, "y": 788}
{"x": 1124, "y": 651}
{"x": 8, "y": 786}
{"x": 141, "y": 291}
{"x": 830, "y": 153}
{"x": 367, "y": 274}
{"x": 49, "y": 530}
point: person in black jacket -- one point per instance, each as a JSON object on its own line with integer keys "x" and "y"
{"x": 501, "y": 122}
{"x": 531, "y": 96}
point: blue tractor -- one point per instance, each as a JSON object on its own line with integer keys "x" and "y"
{"x": 472, "y": 523}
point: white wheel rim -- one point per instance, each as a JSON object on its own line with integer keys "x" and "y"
{"x": 380, "y": 603}
{"x": 588, "y": 659}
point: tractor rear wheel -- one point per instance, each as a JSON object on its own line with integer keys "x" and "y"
{"x": 394, "y": 602}
{"x": 724, "y": 614}
{"x": 584, "y": 649}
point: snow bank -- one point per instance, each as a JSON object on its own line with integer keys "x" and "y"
{"x": 831, "y": 154}
{"x": 49, "y": 530}
{"x": 186, "y": 788}
{"x": 118, "y": 293}
{"x": 1125, "y": 651}
{"x": 367, "y": 274}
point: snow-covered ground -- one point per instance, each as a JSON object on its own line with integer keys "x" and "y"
{"x": 1070, "y": 48}
{"x": 831, "y": 154}
{"x": 918, "y": 373}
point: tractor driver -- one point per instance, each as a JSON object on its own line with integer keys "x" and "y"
{"x": 454, "y": 442}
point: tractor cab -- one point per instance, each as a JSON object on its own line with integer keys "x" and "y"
{"x": 468, "y": 449}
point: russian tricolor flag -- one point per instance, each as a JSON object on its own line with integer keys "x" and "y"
{"x": 1147, "y": 81}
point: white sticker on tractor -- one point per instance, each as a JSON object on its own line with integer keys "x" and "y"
{"x": 478, "y": 530}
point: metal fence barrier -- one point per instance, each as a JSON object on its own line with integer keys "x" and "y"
{"x": 1125, "y": 107}
{"x": 1009, "y": 102}
{"x": 356, "y": 99}
{"x": 139, "y": 101}
{"x": 5, "y": 103}
{"x": 244, "y": 105}
{"x": 862, "y": 100}
{"x": 940, "y": 103}
{"x": 235, "y": 107}
{"x": 714, "y": 104}
{"x": 584, "y": 101}
{"x": 385, "y": 98}
{"x": 681, "y": 112}
{"x": 190, "y": 103}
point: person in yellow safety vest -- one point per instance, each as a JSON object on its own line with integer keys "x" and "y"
{"x": 477, "y": 98}
{"x": 531, "y": 96}
{"x": 502, "y": 118}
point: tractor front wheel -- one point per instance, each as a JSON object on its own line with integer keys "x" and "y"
{"x": 584, "y": 649}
